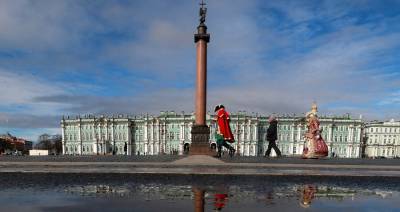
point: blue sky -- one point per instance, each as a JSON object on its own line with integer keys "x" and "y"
{"x": 134, "y": 57}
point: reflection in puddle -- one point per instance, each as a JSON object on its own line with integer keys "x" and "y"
{"x": 307, "y": 195}
{"x": 219, "y": 197}
{"x": 126, "y": 193}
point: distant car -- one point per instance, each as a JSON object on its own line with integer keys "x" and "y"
{"x": 381, "y": 157}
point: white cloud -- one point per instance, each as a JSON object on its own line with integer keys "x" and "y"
{"x": 257, "y": 62}
{"x": 18, "y": 93}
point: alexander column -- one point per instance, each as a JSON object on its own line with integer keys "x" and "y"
{"x": 200, "y": 131}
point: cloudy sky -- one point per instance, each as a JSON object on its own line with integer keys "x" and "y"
{"x": 134, "y": 57}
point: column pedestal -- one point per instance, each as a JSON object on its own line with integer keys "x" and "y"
{"x": 200, "y": 141}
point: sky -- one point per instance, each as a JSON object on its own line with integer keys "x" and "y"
{"x": 136, "y": 57}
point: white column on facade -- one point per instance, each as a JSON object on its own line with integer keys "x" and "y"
{"x": 292, "y": 128}
{"x": 151, "y": 132}
{"x": 129, "y": 142}
{"x": 145, "y": 131}
{"x": 180, "y": 150}
{"x": 242, "y": 134}
{"x": 145, "y": 138}
{"x": 98, "y": 128}
{"x": 397, "y": 151}
{"x": 63, "y": 137}
{"x": 151, "y": 148}
{"x": 255, "y": 133}
{"x": 299, "y": 132}
{"x": 106, "y": 135}
{"x": 94, "y": 137}
{"x": 181, "y": 130}
{"x": 349, "y": 133}
{"x": 181, "y": 137}
{"x": 79, "y": 137}
{"x": 330, "y": 133}
{"x": 349, "y": 151}
{"x": 164, "y": 137}
{"x": 112, "y": 134}
{"x": 249, "y": 131}
{"x": 159, "y": 139}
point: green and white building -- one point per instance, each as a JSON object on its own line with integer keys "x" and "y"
{"x": 169, "y": 133}
{"x": 382, "y": 139}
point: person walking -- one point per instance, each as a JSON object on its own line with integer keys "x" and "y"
{"x": 272, "y": 136}
{"x": 224, "y": 132}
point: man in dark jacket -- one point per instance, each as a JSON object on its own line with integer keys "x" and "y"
{"x": 272, "y": 136}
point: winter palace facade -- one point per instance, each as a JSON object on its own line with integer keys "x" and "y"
{"x": 169, "y": 133}
{"x": 382, "y": 139}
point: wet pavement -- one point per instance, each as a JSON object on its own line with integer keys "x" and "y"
{"x": 131, "y": 192}
{"x": 92, "y": 158}
{"x": 197, "y": 183}
{"x": 200, "y": 165}
{"x": 225, "y": 158}
{"x": 297, "y": 160}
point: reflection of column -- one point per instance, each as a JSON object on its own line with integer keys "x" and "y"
{"x": 198, "y": 200}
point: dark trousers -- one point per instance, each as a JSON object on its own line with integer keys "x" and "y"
{"x": 226, "y": 145}
{"x": 272, "y": 144}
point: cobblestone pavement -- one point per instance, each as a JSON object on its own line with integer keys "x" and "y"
{"x": 94, "y": 158}
{"x": 225, "y": 158}
{"x": 297, "y": 160}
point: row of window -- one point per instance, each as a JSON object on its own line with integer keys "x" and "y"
{"x": 394, "y": 136}
{"x": 376, "y": 141}
{"x": 90, "y": 127}
{"x": 385, "y": 130}
{"x": 89, "y": 137}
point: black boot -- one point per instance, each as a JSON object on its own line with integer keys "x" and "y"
{"x": 232, "y": 152}
{"x": 218, "y": 155}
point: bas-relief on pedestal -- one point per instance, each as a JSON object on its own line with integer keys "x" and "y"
{"x": 200, "y": 141}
